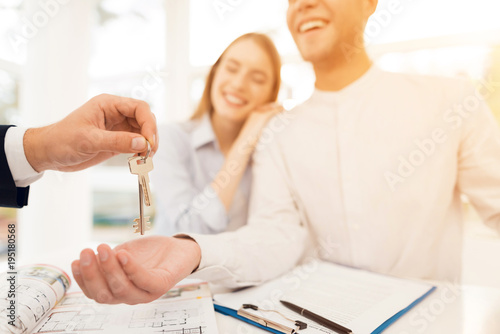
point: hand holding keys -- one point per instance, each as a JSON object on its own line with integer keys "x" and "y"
{"x": 141, "y": 166}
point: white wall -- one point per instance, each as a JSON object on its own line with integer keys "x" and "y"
{"x": 54, "y": 83}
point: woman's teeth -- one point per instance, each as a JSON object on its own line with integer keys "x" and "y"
{"x": 311, "y": 25}
{"x": 234, "y": 99}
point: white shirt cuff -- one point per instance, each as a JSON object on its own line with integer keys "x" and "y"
{"x": 20, "y": 168}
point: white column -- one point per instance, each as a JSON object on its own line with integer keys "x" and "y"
{"x": 177, "y": 64}
{"x": 54, "y": 83}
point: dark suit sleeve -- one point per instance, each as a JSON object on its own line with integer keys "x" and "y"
{"x": 10, "y": 195}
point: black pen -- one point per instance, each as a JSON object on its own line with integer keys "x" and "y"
{"x": 314, "y": 317}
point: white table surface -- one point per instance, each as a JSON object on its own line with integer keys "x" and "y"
{"x": 462, "y": 310}
{"x": 449, "y": 309}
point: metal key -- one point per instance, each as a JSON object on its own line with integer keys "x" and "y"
{"x": 142, "y": 223}
{"x": 141, "y": 166}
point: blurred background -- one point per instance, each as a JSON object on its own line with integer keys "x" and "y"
{"x": 56, "y": 54}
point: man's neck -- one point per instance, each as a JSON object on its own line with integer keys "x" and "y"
{"x": 339, "y": 72}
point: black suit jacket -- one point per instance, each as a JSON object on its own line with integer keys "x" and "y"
{"x": 10, "y": 195}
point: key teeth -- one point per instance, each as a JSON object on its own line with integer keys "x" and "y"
{"x": 136, "y": 225}
{"x": 147, "y": 225}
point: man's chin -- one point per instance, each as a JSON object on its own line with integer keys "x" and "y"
{"x": 315, "y": 56}
{"x": 315, "y": 50}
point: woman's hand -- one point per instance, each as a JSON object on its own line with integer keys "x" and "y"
{"x": 240, "y": 153}
{"x": 256, "y": 122}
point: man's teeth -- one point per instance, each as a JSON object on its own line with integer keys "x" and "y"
{"x": 234, "y": 99}
{"x": 311, "y": 25}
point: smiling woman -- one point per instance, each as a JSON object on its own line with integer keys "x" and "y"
{"x": 258, "y": 54}
{"x": 202, "y": 174}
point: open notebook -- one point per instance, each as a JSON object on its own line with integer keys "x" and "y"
{"x": 43, "y": 306}
{"x": 362, "y": 301}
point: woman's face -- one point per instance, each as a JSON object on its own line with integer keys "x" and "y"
{"x": 242, "y": 82}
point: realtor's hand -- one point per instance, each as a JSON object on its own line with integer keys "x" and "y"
{"x": 138, "y": 271}
{"x": 101, "y": 128}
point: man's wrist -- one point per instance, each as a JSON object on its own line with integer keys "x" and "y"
{"x": 198, "y": 249}
{"x": 34, "y": 149}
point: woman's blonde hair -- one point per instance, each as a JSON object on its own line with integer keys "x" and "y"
{"x": 268, "y": 46}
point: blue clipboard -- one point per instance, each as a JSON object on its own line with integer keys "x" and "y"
{"x": 398, "y": 315}
{"x": 233, "y": 313}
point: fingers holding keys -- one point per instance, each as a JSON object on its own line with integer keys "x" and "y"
{"x": 119, "y": 142}
{"x": 134, "y": 112}
{"x": 98, "y": 130}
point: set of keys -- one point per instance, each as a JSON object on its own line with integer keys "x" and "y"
{"x": 141, "y": 166}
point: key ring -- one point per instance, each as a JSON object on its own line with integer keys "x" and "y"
{"x": 147, "y": 152}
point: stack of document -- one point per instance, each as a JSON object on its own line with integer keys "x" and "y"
{"x": 43, "y": 305}
{"x": 358, "y": 300}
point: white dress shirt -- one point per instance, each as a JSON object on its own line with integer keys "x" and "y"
{"x": 187, "y": 161}
{"x": 370, "y": 177}
{"x": 20, "y": 168}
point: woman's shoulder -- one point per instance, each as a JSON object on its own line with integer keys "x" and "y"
{"x": 176, "y": 141}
